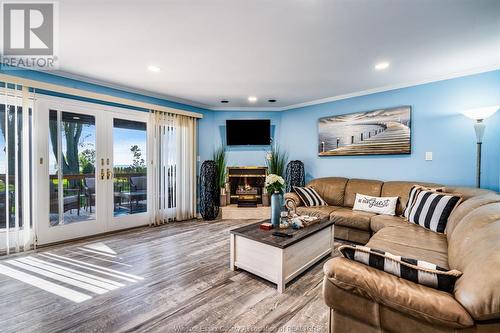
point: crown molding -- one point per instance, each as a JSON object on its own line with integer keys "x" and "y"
{"x": 129, "y": 89}
{"x": 454, "y": 75}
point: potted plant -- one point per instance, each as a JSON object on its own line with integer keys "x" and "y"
{"x": 274, "y": 186}
{"x": 276, "y": 161}
{"x": 220, "y": 165}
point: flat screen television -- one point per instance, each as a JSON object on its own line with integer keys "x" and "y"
{"x": 248, "y": 132}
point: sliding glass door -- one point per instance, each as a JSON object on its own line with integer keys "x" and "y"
{"x": 92, "y": 174}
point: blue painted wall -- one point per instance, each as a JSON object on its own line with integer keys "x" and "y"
{"x": 437, "y": 126}
{"x": 212, "y": 134}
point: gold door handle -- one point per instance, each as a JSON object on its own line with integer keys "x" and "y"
{"x": 102, "y": 174}
{"x": 109, "y": 174}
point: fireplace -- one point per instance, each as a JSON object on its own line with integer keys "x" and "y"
{"x": 246, "y": 185}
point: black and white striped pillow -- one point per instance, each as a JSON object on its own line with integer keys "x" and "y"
{"x": 309, "y": 196}
{"x": 418, "y": 271}
{"x": 411, "y": 199}
{"x": 432, "y": 209}
{"x": 412, "y": 196}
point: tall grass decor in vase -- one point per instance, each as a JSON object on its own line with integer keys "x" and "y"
{"x": 276, "y": 161}
{"x": 275, "y": 185}
{"x": 220, "y": 166}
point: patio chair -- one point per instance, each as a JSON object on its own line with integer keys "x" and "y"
{"x": 89, "y": 192}
{"x": 138, "y": 190}
{"x": 70, "y": 202}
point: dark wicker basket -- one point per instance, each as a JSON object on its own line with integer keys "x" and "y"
{"x": 294, "y": 175}
{"x": 209, "y": 193}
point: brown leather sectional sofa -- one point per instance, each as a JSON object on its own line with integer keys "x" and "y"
{"x": 364, "y": 299}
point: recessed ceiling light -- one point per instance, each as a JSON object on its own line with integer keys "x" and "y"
{"x": 252, "y": 99}
{"x": 224, "y": 101}
{"x": 381, "y": 65}
{"x": 153, "y": 68}
{"x": 271, "y": 100}
{"x": 76, "y": 118}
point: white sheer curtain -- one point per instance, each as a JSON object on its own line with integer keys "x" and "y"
{"x": 174, "y": 166}
{"x": 15, "y": 168}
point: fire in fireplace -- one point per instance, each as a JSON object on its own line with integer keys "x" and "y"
{"x": 246, "y": 185}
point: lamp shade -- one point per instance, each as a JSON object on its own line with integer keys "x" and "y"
{"x": 479, "y": 129}
{"x": 481, "y": 113}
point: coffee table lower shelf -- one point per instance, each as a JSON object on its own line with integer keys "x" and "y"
{"x": 278, "y": 264}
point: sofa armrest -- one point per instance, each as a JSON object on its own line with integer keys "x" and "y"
{"x": 292, "y": 201}
{"x": 430, "y": 305}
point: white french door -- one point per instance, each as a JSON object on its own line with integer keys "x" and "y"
{"x": 128, "y": 195}
{"x": 92, "y": 172}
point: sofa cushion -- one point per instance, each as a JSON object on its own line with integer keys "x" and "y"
{"x": 323, "y": 212}
{"x": 474, "y": 249}
{"x": 414, "y": 242}
{"x": 468, "y": 206}
{"x": 379, "y": 222}
{"x": 401, "y": 190}
{"x": 430, "y": 305}
{"x": 331, "y": 189}
{"x": 467, "y": 192}
{"x": 412, "y": 269}
{"x": 365, "y": 186}
{"x": 352, "y": 235}
{"x": 353, "y": 219}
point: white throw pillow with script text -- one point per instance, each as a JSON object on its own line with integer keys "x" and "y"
{"x": 379, "y": 205}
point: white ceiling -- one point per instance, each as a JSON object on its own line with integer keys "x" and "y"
{"x": 296, "y": 51}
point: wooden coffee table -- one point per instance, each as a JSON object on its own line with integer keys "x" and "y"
{"x": 280, "y": 259}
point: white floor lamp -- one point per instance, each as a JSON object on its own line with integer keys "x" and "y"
{"x": 479, "y": 115}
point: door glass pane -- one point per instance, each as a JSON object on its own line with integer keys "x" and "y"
{"x": 53, "y": 169}
{"x": 73, "y": 199}
{"x": 130, "y": 167}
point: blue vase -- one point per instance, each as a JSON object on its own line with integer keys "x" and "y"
{"x": 276, "y": 204}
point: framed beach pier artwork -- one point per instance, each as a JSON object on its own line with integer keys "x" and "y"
{"x": 377, "y": 132}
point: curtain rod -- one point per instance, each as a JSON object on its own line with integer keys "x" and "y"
{"x": 88, "y": 94}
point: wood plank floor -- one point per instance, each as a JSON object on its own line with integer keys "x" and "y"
{"x": 173, "y": 278}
